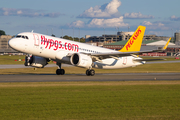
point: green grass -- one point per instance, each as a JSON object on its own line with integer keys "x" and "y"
{"x": 90, "y": 101}
{"x": 140, "y": 100}
{"x": 11, "y": 59}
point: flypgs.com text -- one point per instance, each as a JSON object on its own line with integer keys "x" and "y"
{"x": 49, "y": 43}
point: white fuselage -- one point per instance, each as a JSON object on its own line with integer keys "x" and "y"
{"x": 48, "y": 47}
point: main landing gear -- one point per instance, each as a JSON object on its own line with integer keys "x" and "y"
{"x": 90, "y": 72}
{"x": 60, "y": 71}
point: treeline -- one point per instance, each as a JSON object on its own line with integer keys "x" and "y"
{"x": 2, "y": 32}
{"x": 71, "y": 38}
{"x": 75, "y": 38}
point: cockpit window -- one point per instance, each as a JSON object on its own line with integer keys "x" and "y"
{"x": 26, "y": 37}
{"x": 22, "y": 36}
{"x": 18, "y": 36}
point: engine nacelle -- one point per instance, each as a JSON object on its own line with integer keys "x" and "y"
{"x": 81, "y": 60}
{"x": 35, "y": 61}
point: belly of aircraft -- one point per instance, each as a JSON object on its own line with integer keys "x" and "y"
{"x": 112, "y": 63}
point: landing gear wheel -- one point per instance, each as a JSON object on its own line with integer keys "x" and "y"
{"x": 60, "y": 71}
{"x": 90, "y": 72}
{"x": 87, "y": 72}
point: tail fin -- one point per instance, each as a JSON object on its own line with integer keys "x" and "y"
{"x": 134, "y": 43}
{"x": 167, "y": 44}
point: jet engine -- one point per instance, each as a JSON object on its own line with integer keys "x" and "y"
{"x": 81, "y": 60}
{"x": 35, "y": 61}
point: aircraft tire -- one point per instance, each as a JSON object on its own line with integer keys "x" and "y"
{"x": 90, "y": 72}
{"x": 87, "y": 72}
{"x": 60, "y": 71}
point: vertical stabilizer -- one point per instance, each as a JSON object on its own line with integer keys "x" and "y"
{"x": 134, "y": 43}
{"x": 167, "y": 44}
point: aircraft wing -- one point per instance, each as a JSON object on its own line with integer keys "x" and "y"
{"x": 115, "y": 55}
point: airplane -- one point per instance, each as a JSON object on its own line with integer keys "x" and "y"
{"x": 43, "y": 48}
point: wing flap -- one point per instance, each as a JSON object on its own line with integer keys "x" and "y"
{"x": 115, "y": 55}
{"x": 140, "y": 60}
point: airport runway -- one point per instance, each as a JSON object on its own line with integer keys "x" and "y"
{"x": 97, "y": 77}
{"x": 83, "y": 77}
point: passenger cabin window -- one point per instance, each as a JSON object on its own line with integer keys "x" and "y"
{"x": 22, "y": 36}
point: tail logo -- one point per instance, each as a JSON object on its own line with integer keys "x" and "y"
{"x": 133, "y": 38}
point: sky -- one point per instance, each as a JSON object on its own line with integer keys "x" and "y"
{"x": 87, "y": 17}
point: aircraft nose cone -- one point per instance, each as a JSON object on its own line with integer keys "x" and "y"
{"x": 12, "y": 43}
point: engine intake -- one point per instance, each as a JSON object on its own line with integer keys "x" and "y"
{"x": 75, "y": 59}
{"x": 81, "y": 60}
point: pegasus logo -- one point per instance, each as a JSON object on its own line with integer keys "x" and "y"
{"x": 133, "y": 38}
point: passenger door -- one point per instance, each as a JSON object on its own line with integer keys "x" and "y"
{"x": 36, "y": 40}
